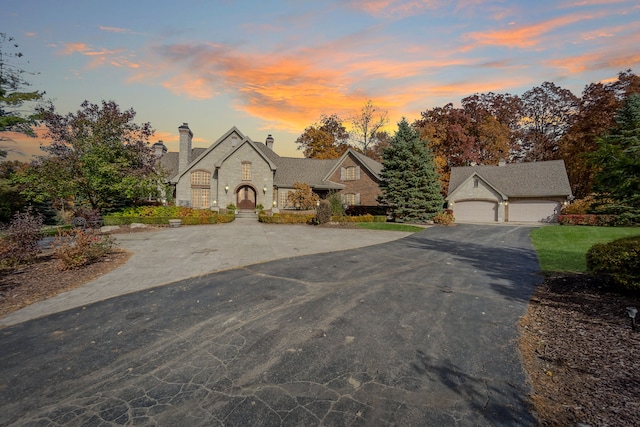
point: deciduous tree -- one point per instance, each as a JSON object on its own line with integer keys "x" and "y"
{"x": 366, "y": 124}
{"x": 326, "y": 139}
{"x": 303, "y": 197}
{"x": 409, "y": 180}
{"x": 547, "y": 113}
{"x": 98, "y": 156}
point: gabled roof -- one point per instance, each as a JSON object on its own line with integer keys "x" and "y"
{"x": 371, "y": 165}
{"x": 533, "y": 179}
{"x": 252, "y": 144}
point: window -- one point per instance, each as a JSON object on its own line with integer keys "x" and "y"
{"x": 200, "y": 198}
{"x": 350, "y": 199}
{"x": 475, "y": 183}
{"x": 246, "y": 171}
{"x": 200, "y": 178}
{"x": 284, "y": 198}
{"x": 350, "y": 173}
{"x": 200, "y": 189}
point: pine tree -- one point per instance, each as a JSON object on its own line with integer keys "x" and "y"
{"x": 409, "y": 180}
{"x": 617, "y": 180}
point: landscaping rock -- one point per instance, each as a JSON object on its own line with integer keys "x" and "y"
{"x": 109, "y": 228}
{"x": 138, "y": 225}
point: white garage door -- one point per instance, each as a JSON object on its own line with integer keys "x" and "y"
{"x": 475, "y": 211}
{"x": 533, "y": 211}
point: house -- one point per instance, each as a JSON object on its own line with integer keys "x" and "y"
{"x": 515, "y": 192}
{"x": 237, "y": 170}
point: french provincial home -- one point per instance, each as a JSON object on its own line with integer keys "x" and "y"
{"x": 237, "y": 170}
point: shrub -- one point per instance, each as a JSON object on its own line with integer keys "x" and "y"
{"x": 323, "y": 213}
{"x": 231, "y": 207}
{"x": 286, "y": 218}
{"x": 361, "y": 218}
{"x": 20, "y": 245}
{"x": 75, "y": 248}
{"x": 618, "y": 260}
{"x": 578, "y": 206}
{"x": 444, "y": 218}
{"x": 337, "y": 207}
{"x": 608, "y": 220}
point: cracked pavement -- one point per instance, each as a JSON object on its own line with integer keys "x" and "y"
{"x": 418, "y": 331}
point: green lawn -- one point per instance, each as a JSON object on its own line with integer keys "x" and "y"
{"x": 391, "y": 226}
{"x": 563, "y": 248}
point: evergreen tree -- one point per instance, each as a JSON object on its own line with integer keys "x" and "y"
{"x": 12, "y": 96}
{"x": 617, "y": 159}
{"x": 409, "y": 180}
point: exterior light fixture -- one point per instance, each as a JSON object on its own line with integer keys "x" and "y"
{"x": 264, "y": 189}
{"x": 275, "y": 203}
{"x": 226, "y": 188}
{"x": 632, "y": 312}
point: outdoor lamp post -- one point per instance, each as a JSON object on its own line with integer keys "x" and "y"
{"x": 632, "y": 312}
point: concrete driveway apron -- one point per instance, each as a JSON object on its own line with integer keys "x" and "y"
{"x": 418, "y": 331}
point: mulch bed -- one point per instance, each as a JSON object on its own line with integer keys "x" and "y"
{"x": 581, "y": 354}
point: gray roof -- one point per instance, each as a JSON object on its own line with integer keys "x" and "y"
{"x": 169, "y": 161}
{"x": 533, "y": 179}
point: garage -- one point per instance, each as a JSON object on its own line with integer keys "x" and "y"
{"x": 476, "y": 211}
{"x": 533, "y": 211}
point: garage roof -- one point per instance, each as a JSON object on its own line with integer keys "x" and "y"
{"x": 533, "y": 179}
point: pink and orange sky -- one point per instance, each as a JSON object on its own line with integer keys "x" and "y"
{"x": 274, "y": 67}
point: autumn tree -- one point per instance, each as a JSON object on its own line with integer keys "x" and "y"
{"x": 547, "y": 113}
{"x": 617, "y": 161}
{"x": 13, "y": 97}
{"x": 98, "y": 156}
{"x": 446, "y": 130}
{"x": 326, "y": 139}
{"x": 303, "y": 196}
{"x": 366, "y": 125}
{"x": 409, "y": 179}
{"x": 595, "y": 117}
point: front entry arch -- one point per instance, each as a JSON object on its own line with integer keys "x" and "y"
{"x": 246, "y": 197}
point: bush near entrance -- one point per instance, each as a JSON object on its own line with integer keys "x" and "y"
{"x": 162, "y": 215}
{"x": 618, "y": 260}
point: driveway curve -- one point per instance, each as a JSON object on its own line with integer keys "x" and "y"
{"x": 418, "y": 331}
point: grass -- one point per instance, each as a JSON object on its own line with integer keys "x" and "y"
{"x": 564, "y": 248}
{"x": 390, "y": 226}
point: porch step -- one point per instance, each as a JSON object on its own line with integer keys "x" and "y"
{"x": 247, "y": 213}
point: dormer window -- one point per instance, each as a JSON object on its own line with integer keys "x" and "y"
{"x": 475, "y": 182}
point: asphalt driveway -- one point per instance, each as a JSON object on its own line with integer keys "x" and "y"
{"x": 419, "y": 331}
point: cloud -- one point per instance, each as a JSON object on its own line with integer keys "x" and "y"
{"x": 393, "y": 8}
{"x": 99, "y": 57}
{"x": 522, "y": 36}
{"x": 114, "y": 29}
{"x": 22, "y": 147}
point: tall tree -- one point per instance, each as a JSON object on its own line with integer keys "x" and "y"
{"x": 13, "y": 118}
{"x": 326, "y": 139}
{"x": 547, "y": 113}
{"x": 617, "y": 180}
{"x": 447, "y": 131}
{"x": 367, "y": 124}
{"x": 409, "y": 180}
{"x": 98, "y": 156}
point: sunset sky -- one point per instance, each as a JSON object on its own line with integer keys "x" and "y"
{"x": 276, "y": 66}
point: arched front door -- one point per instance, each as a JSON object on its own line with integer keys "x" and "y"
{"x": 246, "y": 197}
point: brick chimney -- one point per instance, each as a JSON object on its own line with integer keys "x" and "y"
{"x": 184, "y": 158}
{"x": 269, "y": 142}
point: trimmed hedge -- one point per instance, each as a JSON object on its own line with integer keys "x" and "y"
{"x": 286, "y": 218}
{"x": 361, "y": 218}
{"x": 158, "y": 220}
{"x": 622, "y": 220}
{"x": 618, "y": 260}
